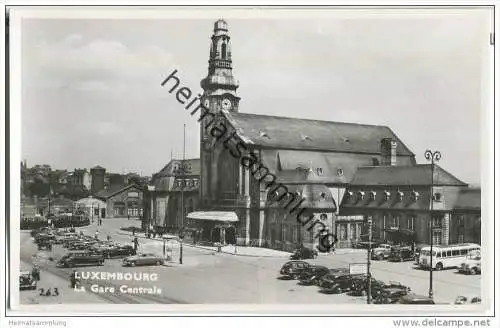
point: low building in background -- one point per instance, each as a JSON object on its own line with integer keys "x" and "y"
{"x": 122, "y": 201}
{"x": 163, "y": 198}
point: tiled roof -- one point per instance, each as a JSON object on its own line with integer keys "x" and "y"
{"x": 404, "y": 175}
{"x": 295, "y": 133}
{"x": 113, "y": 190}
{"x": 328, "y": 168}
{"x": 168, "y": 170}
{"x": 468, "y": 199}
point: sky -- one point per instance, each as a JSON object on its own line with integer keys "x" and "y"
{"x": 91, "y": 92}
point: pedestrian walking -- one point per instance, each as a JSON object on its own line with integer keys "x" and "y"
{"x": 133, "y": 231}
{"x": 73, "y": 279}
{"x": 136, "y": 244}
{"x": 96, "y": 235}
{"x": 35, "y": 272}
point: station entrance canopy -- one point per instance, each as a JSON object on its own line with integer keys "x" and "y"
{"x": 214, "y": 216}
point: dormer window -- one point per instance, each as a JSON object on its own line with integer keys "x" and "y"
{"x": 373, "y": 194}
{"x": 340, "y": 172}
{"x": 304, "y": 137}
{"x": 415, "y": 195}
{"x": 387, "y": 195}
{"x": 263, "y": 134}
{"x": 349, "y": 195}
{"x": 400, "y": 195}
{"x": 438, "y": 197}
{"x": 319, "y": 171}
{"x": 322, "y": 195}
{"x": 346, "y": 139}
{"x": 361, "y": 195}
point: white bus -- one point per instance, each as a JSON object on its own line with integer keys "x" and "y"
{"x": 449, "y": 256}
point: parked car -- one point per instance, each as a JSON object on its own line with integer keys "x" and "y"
{"x": 311, "y": 275}
{"x": 329, "y": 279}
{"x": 415, "y": 299}
{"x": 110, "y": 251}
{"x": 45, "y": 244}
{"x": 81, "y": 258}
{"x": 390, "y": 295}
{"x": 293, "y": 269}
{"x": 400, "y": 254}
{"x": 360, "y": 286}
{"x": 340, "y": 285}
{"x": 381, "y": 252}
{"x": 304, "y": 253}
{"x": 472, "y": 264}
{"x": 61, "y": 237}
{"x": 143, "y": 259}
{"x": 476, "y": 300}
{"x": 26, "y": 281}
{"x": 43, "y": 237}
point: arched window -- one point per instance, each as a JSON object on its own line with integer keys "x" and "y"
{"x": 223, "y": 51}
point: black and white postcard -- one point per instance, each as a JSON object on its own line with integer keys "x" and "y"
{"x": 251, "y": 160}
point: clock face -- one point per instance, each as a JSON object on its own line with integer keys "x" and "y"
{"x": 206, "y": 103}
{"x": 226, "y": 104}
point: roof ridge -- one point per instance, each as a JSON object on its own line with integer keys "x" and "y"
{"x": 310, "y": 119}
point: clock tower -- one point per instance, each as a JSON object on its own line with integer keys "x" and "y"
{"x": 220, "y": 86}
{"x": 219, "y": 93}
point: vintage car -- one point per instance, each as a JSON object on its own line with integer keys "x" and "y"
{"x": 26, "y": 281}
{"x": 82, "y": 245}
{"x": 114, "y": 250}
{"x": 400, "y": 254}
{"x": 304, "y": 253}
{"x": 45, "y": 244}
{"x": 61, "y": 237}
{"x": 292, "y": 269}
{"x": 311, "y": 275}
{"x": 390, "y": 295}
{"x": 43, "y": 237}
{"x": 143, "y": 259}
{"x": 381, "y": 252}
{"x": 360, "y": 286}
{"x": 81, "y": 258}
{"x": 472, "y": 264}
{"x": 329, "y": 279}
{"x": 415, "y": 299}
{"x": 340, "y": 285}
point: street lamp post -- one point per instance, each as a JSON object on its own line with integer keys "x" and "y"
{"x": 181, "y": 172}
{"x": 433, "y": 157}
{"x": 368, "y": 266}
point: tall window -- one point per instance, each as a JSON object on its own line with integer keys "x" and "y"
{"x": 460, "y": 229}
{"x": 352, "y": 231}
{"x": 342, "y": 232}
{"x": 223, "y": 48}
{"x": 410, "y": 222}
{"x": 394, "y": 221}
{"x": 436, "y": 237}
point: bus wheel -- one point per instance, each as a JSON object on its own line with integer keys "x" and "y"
{"x": 439, "y": 266}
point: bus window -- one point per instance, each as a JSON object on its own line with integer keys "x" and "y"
{"x": 448, "y": 253}
{"x": 438, "y": 254}
{"x": 463, "y": 252}
{"x": 455, "y": 252}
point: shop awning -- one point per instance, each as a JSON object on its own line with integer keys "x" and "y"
{"x": 214, "y": 216}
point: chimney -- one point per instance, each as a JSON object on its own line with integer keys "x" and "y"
{"x": 388, "y": 148}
